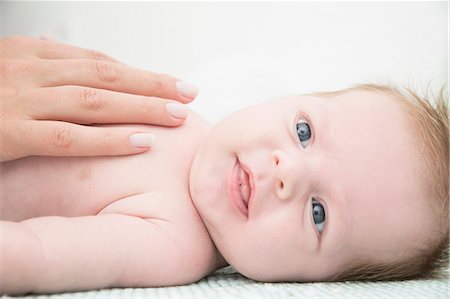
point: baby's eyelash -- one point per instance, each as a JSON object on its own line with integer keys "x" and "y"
{"x": 303, "y": 118}
{"x": 318, "y": 212}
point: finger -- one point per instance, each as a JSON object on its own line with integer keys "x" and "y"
{"x": 115, "y": 77}
{"x": 51, "y": 49}
{"x": 54, "y": 138}
{"x": 85, "y": 105}
{"x": 45, "y": 48}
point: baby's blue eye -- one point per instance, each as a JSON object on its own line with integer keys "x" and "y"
{"x": 318, "y": 215}
{"x": 303, "y": 132}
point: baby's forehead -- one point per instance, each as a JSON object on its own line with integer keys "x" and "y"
{"x": 363, "y": 102}
{"x": 381, "y": 156}
{"x": 353, "y": 97}
{"x": 369, "y": 110}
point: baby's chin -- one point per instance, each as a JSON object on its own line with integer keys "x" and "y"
{"x": 201, "y": 183}
{"x": 194, "y": 188}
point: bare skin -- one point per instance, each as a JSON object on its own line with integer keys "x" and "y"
{"x": 169, "y": 216}
{"x": 51, "y": 94}
{"x": 158, "y": 237}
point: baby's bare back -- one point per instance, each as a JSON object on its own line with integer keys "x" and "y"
{"x": 129, "y": 218}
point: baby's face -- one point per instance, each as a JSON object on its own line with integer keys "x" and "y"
{"x": 328, "y": 180}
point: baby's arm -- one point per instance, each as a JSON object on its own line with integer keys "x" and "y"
{"x": 53, "y": 254}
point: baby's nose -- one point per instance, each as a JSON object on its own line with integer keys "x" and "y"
{"x": 283, "y": 175}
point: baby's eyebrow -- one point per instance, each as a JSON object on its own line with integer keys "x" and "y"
{"x": 321, "y": 124}
{"x": 338, "y": 222}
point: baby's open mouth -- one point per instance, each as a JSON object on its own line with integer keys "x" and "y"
{"x": 240, "y": 187}
{"x": 244, "y": 184}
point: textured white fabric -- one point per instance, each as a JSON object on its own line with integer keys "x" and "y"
{"x": 226, "y": 283}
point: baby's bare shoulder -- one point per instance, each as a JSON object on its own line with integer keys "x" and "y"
{"x": 173, "y": 208}
{"x": 180, "y": 225}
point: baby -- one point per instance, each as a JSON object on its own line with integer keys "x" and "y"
{"x": 322, "y": 187}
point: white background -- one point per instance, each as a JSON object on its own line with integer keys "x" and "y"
{"x": 240, "y": 53}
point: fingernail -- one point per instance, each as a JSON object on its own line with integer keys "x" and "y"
{"x": 186, "y": 89}
{"x": 142, "y": 139}
{"x": 177, "y": 110}
{"x": 47, "y": 37}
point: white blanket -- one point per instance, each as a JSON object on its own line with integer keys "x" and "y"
{"x": 226, "y": 283}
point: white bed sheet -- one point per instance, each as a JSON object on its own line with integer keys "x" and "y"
{"x": 227, "y": 283}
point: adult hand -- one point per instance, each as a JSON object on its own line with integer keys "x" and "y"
{"x": 51, "y": 95}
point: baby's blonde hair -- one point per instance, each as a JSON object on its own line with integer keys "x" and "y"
{"x": 432, "y": 122}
